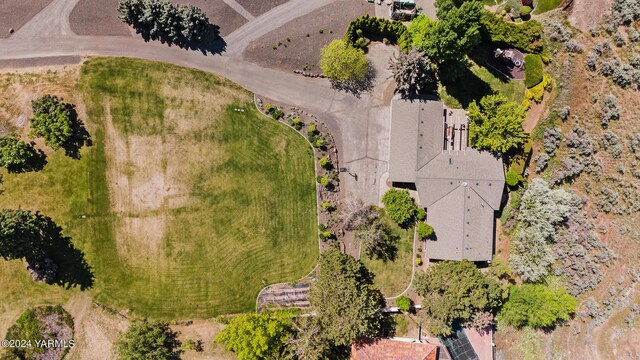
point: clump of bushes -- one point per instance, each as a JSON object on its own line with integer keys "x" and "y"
{"x": 363, "y": 28}
{"x": 399, "y": 206}
{"x": 536, "y": 93}
{"x": 609, "y": 110}
{"x": 404, "y": 303}
{"x": 274, "y": 111}
{"x": 537, "y": 306}
{"x": 525, "y": 11}
{"x": 534, "y": 69}
{"x": 323, "y": 181}
{"x": 551, "y": 140}
{"x": 513, "y": 179}
{"x": 296, "y": 123}
{"x": 52, "y": 120}
{"x": 527, "y": 37}
{"x": 165, "y": 21}
{"x": 425, "y": 231}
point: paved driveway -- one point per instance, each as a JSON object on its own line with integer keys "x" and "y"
{"x": 360, "y": 125}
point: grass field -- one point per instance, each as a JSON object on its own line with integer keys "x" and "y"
{"x": 184, "y": 206}
{"x": 478, "y": 82}
{"x": 543, "y": 6}
{"x": 392, "y": 277}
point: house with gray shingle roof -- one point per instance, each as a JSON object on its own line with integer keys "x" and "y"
{"x": 460, "y": 187}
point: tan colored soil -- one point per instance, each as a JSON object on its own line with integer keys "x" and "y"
{"x": 585, "y": 14}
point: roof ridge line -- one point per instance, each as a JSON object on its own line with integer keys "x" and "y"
{"x": 449, "y": 192}
{"x": 481, "y": 197}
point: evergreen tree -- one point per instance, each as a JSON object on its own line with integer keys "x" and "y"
{"x": 413, "y": 73}
{"x": 496, "y": 124}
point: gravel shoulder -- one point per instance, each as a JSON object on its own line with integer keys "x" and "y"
{"x": 294, "y": 49}
{"x": 16, "y": 13}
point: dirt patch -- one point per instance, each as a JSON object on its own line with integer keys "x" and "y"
{"x": 50, "y": 62}
{"x": 206, "y": 331}
{"x": 294, "y": 49}
{"x": 259, "y": 7}
{"x": 97, "y": 17}
{"x": 585, "y": 14}
{"x": 219, "y": 14}
{"x": 95, "y": 329}
{"x": 16, "y": 13}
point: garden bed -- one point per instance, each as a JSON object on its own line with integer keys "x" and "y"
{"x": 97, "y": 17}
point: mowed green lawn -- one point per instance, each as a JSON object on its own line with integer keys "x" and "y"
{"x": 393, "y": 277}
{"x": 193, "y": 200}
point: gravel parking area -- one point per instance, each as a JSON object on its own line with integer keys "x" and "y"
{"x": 97, "y": 17}
{"x": 259, "y": 7}
{"x": 298, "y": 43}
{"x": 16, "y": 13}
{"x": 219, "y": 14}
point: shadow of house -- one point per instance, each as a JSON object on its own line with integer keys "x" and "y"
{"x": 460, "y": 187}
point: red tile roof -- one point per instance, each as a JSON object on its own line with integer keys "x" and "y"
{"x": 385, "y": 349}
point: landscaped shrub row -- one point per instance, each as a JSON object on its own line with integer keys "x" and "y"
{"x": 533, "y": 69}
{"x": 366, "y": 27}
{"x": 527, "y": 36}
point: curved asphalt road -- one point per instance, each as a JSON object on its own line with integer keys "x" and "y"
{"x": 360, "y": 125}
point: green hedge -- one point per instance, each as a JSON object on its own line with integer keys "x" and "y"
{"x": 527, "y": 37}
{"x": 367, "y": 27}
{"x": 533, "y": 70}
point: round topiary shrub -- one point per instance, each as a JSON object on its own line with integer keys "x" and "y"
{"x": 513, "y": 179}
{"x": 424, "y": 231}
{"x": 525, "y": 11}
{"x": 404, "y": 303}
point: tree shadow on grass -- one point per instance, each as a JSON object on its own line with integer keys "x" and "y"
{"x": 35, "y": 161}
{"x": 483, "y": 56}
{"x": 357, "y": 87}
{"x": 80, "y": 136}
{"x": 468, "y": 88}
{"x": 72, "y": 268}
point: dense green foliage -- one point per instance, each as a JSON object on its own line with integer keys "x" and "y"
{"x": 533, "y": 69}
{"x": 527, "y": 36}
{"x": 455, "y": 290}
{"x": 342, "y": 62}
{"x": 424, "y": 230}
{"x": 512, "y": 178}
{"x": 258, "y": 336}
{"x": 404, "y": 303}
{"x": 162, "y": 20}
{"x": 15, "y": 154}
{"x": 146, "y": 340}
{"x": 30, "y": 327}
{"x": 453, "y": 35}
{"x": 413, "y": 73}
{"x": 496, "y": 124}
{"x": 543, "y": 6}
{"x": 541, "y": 210}
{"x": 346, "y": 304}
{"x": 399, "y": 206}
{"x": 367, "y": 27}
{"x": 537, "y": 306}
{"x": 52, "y": 120}
{"x": 20, "y": 235}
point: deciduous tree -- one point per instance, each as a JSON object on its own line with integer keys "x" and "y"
{"x": 52, "y": 121}
{"x": 496, "y": 124}
{"x": 341, "y": 62}
{"x": 15, "y": 154}
{"x": 258, "y": 336}
{"x": 537, "y": 306}
{"x": 455, "y": 290}
{"x": 147, "y": 340}
{"x": 346, "y": 303}
{"x": 399, "y": 206}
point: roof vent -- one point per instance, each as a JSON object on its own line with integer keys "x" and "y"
{"x": 465, "y": 184}
{"x": 450, "y": 161}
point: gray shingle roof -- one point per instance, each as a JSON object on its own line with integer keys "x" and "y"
{"x": 461, "y": 189}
